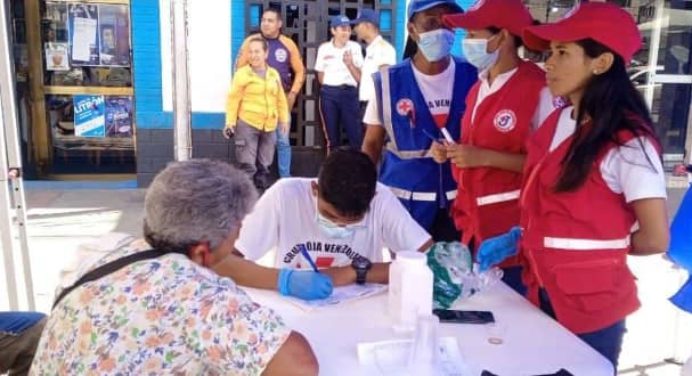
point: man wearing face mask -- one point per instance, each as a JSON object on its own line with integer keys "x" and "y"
{"x": 340, "y": 223}
{"x": 506, "y": 104}
{"x": 417, "y": 102}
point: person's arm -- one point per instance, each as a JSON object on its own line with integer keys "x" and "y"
{"x": 373, "y": 142}
{"x": 320, "y": 64}
{"x": 282, "y": 106}
{"x": 235, "y": 96}
{"x": 378, "y": 273}
{"x": 635, "y": 171}
{"x": 295, "y": 357}
{"x": 467, "y": 156}
{"x": 247, "y": 273}
{"x": 297, "y": 67}
{"x": 652, "y": 236}
{"x": 244, "y": 55}
{"x": 353, "y": 63}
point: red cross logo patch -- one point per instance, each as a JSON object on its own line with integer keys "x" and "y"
{"x": 404, "y": 106}
{"x": 505, "y": 121}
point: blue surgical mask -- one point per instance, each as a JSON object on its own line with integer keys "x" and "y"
{"x": 436, "y": 44}
{"x": 476, "y": 52}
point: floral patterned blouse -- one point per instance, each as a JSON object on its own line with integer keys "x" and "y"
{"x": 159, "y": 316}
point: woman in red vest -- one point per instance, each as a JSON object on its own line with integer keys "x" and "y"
{"x": 594, "y": 187}
{"x": 507, "y": 103}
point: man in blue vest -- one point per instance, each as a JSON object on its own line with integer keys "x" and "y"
{"x": 418, "y": 100}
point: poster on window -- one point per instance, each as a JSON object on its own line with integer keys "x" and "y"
{"x": 118, "y": 116}
{"x": 89, "y": 115}
{"x": 114, "y": 34}
{"x": 56, "y": 57}
{"x": 84, "y": 41}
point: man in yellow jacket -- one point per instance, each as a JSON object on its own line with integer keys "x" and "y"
{"x": 256, "y": 105}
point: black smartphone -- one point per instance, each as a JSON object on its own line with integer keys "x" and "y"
{"x": 464, "y": 317}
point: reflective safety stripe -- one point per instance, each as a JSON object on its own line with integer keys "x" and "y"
{"x": 387, "y": 109}
{"x": 420, "y": 196}
{"x": 577, "y": 244}
{"x": 498, "y": 197}
{"x": 408, "y": 154}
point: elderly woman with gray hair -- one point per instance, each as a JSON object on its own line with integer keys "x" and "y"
{"x": 142, "y": 311}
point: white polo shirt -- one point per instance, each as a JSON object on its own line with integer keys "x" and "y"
{"x": 330, "y": 61}
{"x": 379, "y": 52}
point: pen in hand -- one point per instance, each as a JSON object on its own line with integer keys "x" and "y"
{"x": 306, "y": 256}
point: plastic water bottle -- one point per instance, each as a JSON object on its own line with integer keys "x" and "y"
{"x": 410, "y": 289}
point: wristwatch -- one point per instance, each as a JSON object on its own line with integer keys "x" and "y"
{"x": 361, "y": 265}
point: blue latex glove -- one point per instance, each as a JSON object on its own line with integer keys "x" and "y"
{"x": 304, "y": 284}
{"x": 495, "y": 250}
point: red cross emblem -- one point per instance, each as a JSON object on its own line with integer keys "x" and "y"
{"x": 404, "y": 106}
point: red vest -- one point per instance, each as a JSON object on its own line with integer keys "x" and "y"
{"x": 575, "y": 244}
{"x": 487, "y": 199}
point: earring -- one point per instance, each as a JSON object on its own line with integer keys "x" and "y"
{"x": 595, "y": 71}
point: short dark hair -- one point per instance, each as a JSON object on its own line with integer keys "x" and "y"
{"x": 265, "y": 45}
{"x": 273, "y": 10}
{"x": 347, "y": 181}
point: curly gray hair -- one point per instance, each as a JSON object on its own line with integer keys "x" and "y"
{"x": 195, "y": 201}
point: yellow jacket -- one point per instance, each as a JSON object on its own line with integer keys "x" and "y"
{"x": 260, "y": 102}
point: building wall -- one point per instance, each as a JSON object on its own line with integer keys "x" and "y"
{"x": 216, "y": 32}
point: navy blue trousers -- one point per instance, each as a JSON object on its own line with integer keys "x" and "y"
{"x": 607, "y": 341}
{"x": 340, "y": 109}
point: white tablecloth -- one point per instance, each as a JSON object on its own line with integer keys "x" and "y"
{"x": 533, "y": 343}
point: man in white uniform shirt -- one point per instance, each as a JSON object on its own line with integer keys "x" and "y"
{"x": 342, "y": 220}
{"x": 338, "y": 67}
{"x": 378, "y": 53}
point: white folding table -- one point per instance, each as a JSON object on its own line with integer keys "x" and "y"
{"x": 532, "y": 342}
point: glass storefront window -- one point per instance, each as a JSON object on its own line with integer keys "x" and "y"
{"x": 86, "y": 44}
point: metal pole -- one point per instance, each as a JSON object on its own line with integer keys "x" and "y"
{"x": 657, "y": 24}
{"x": 11, "y": 182}
{"x": 182, "y": 134}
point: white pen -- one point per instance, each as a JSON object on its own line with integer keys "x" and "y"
{"x": 446, "y": 135}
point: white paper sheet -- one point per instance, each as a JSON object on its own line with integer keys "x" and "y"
{"x": 391, "y": 358}
{"x": 341, "y": 294}
{"x": 84, "y": 36}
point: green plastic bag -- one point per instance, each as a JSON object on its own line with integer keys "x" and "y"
{"x": 449, "y": 262}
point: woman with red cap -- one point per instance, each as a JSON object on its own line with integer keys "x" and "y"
{"x": 594, "y": 187}
{"x": 508, "y": 102}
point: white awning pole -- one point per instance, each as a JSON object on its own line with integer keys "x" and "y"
{"x": 182, "y": 133}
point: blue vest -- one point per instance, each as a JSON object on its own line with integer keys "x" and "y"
{"x": 409, "y": 124}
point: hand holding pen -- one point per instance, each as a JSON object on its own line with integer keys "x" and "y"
{"x": 305, "y": 284}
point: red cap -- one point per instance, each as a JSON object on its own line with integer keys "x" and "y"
{"x": 504, "y": 14}
{"x": 605, "y": 23}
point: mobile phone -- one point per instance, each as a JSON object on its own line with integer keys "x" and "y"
{"x": 464, "y": 317}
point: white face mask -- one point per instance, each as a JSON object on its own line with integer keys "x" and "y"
{"x": 476, "y": 52}
{"x": 333, "y": 230}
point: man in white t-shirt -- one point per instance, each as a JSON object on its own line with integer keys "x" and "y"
{"x": 338, "y": 66}
{"x": 378, "y": 53}
{"x": 342, "y": 220}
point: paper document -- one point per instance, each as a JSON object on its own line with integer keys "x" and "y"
{"x": 83, "y": 38}
{"x": 341, "y": 294}
{"x": 391, "y": 357}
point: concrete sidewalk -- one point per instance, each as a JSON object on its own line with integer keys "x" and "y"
{"x": 61, "y": 219}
